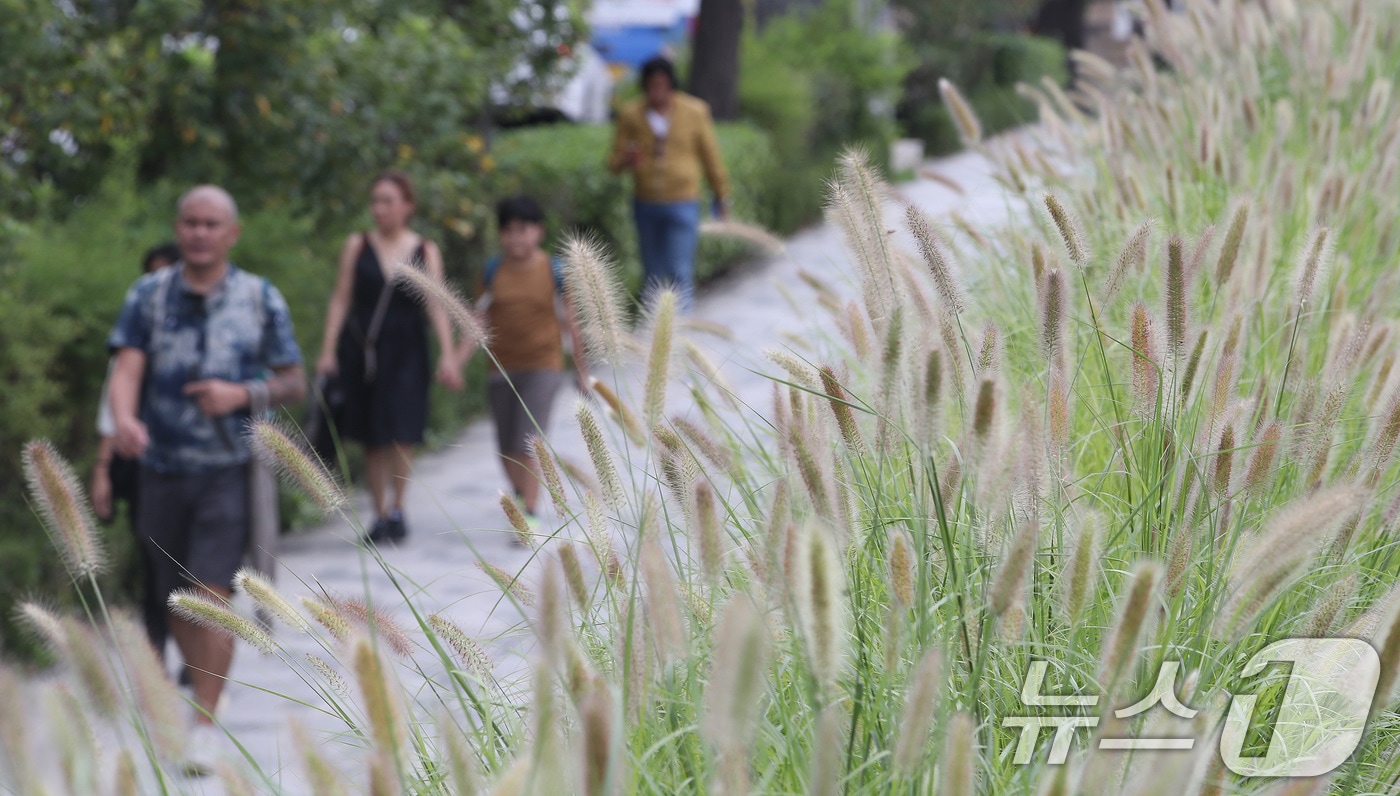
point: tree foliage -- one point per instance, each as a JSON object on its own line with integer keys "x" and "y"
{"x": 289, "y": 102}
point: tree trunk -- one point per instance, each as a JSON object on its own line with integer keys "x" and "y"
{"x": 1063, "y": 20}
{"x": 714, "y": 68}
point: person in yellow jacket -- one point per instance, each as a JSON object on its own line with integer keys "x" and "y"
{"x": 666, "y": 139}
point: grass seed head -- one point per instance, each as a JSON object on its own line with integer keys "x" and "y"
{"x": 197, "y": 608}
{"x": 512, "y": 586}
{"x": 1132, "y": 619}
{"x": 56, "y": 490}
{"x": 388, "y": 726}
{"x": 590, "y": 282}
{"x": 434, "y": 291}
{"x": 1234, "y": 239}
{"x": 964, "y": 118}
{"x": 662, "y": 608}
{"x": 468, "y": 652}
{"x": 902, "y": 568}
{"x": 738, "y": 676}
{"x": 265, "y": 595}
{"x": 275, "y": 445}
{"x": 920, "y": 707}
{"x": 1316, "y": 255}
{"x": 601, "y": 457}
{"x": 1071, "y": 232}
{"x": 959, "y": 756}
{"x": 661, "y": 323}
{"x": 516, "y": 517}
{"x": 937, "y": 259}
{"x": 573, "y": 573}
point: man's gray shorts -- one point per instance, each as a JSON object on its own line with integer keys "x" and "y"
{"x": 194, "y": 525}
{"x": 522, "y": 403}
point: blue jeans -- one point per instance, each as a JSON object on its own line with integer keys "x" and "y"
{"x": 667, "y": 234}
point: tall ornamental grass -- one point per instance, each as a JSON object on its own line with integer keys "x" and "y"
{"x": 1149, "y": 427}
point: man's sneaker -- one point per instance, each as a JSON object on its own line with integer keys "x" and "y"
{"x": 201, "y": 750}
{"x": 396, "y": 529}
{"x": 379, "y": 532}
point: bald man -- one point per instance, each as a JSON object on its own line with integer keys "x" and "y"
{"x": 200, "y": 348}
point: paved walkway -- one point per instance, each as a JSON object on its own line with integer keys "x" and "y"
{"x": 455, "y": 516}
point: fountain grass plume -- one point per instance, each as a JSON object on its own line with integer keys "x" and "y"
{"x": 265, "y": 595}
{"x": 1292, "y": 536}
{"x": 599, "y": 540}
{"x": 1316, "y": 255}
{"x": 434, "y": 291}
{"x": 329, "y": 674}
{"x": 706, "y": 445}
{"x": 620, "y": 412}
{"x": 959, "y": 758}
{"x": 377, "y": 623}
{"x": 328, "y": 616}
{"x": 1334, "y": 601}
{"x": 749, "y": 233}
{"x": 1223, "y": 458}
{"x": 468, "y": 652}
{"x": 1198, "y": 252}
{"x": 274, "y": 443}
{"x": 552, "y": 623}
{"x": 1176, "y": 296}
{"x": 55, "y": 489}
{"x": 1071, "y": 231}
{"x": 1130, "y": 259}
{"x": 817, "y": 594}
{"x": 1146, "y": 366}
{"x": 1179, "y": 559}
{"x": 984, "y": 411}
{"x": 197, "y": 607}
{"x": 920, "y": 707}
{"x": 964, "y": 118}
{"x": 601, "y": 457}
{"x": 1015, "y": 568}
{"x": 510, "y": 585}
{"x": 661, "y": 606}
{"x": 1234, "y": 239}
{"x": 322, "y": 776}
{"x": 840, "y": 405}
{"x": 160, "y": 707}
{"x": 549, "y": 473}
{"x": 597, "y": 716}
{"x": 661, "y": 323}
{"x": 573, "y": 573}
{"x": 709, "y": 531}
{"x": 517, "y": 521}
{"x": 1053, "y": 315}
{"x": 1132, "y": 619}
{"x": 85, "y": 652}
{"x": 384, "y": 711}
{"x": 590, "y": 282}
{"x": 937, "y": 259}
{"x": 738, "y": 677}
{"x": 901, "y": 561}
{"x": 1193, "y": 364}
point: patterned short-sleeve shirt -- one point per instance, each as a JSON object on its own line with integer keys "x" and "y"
{"x": 237, "y": 332}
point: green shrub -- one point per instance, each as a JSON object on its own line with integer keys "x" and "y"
{"x": 986, "y": 68}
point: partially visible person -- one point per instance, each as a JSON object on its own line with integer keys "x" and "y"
{"x": 201, "y": 347}
{"x": 666, "y": 139}
{"x": 376, "y": 341}
{"x": 522, "y": 296}
{"x": 116, "y": 478}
